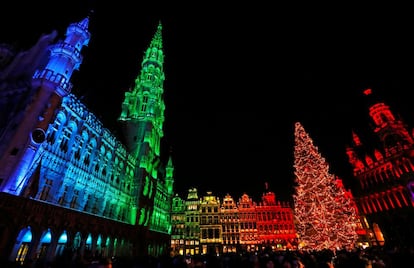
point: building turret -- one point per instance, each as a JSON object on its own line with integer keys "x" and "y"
{"x": 169, "y": 179}
{"x": 142, "y": 114}
{"x": 384, "y": 170}
{"x": 141, "y": 120}
{"x": 44, "y": 73}
{"x": 391, "y": 131}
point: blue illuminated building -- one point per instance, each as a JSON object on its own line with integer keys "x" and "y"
{"x": 67, "y": 184}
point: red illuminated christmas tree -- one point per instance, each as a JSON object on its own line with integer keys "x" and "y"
{"x": 325, "y": 217}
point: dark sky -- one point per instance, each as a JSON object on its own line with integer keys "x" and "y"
{"x": 238, "y": 77}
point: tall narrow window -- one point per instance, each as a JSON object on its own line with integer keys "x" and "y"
{"x": 144, "y": 103}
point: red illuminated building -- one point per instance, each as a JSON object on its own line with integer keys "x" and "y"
{"x": 227, "y": 226}
{"x": 383, "y": 167}
{"x": 248, "y": 221}
{"x": 275, "y": 226}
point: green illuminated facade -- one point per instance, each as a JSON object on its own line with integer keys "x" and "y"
{"x": 78, "y": 187}
{"x": 142, "y": 119}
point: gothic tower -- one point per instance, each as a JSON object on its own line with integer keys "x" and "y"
{"x": 47, "y": 70}
{"x": 383, "y": 165}
{"x": 142, "y": 119}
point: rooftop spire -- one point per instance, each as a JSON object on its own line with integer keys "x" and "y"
{"x": 157, "y": 39}
{"x": 154, "y": 53}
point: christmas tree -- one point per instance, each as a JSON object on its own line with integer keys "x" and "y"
{"x": 325, "y": 216}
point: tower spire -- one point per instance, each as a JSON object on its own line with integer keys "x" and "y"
{"x": 154, "y": 52}
{"x": 142, "y": 115}
{"x": 141, "y": 120}
{"x": 157, "y": 39}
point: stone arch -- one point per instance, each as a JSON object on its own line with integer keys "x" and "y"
{"x": 22, "y": 245}
{"x": 44, "y": 244}
{"x": 62, "y": 243}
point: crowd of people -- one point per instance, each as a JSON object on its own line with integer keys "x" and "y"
{"x": 372, "y": 257}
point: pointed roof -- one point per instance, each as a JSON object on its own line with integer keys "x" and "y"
{"x": 80, "y": 28}
{"x": 170, "y": 164}
{"x": 157, "y": 39}
{"x": 356, "y": 139}
{"x": 84, "y": 23}
{"x": 154, "y": 53}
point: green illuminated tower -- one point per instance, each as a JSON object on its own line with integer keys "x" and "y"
{"x": 142, "y": 119}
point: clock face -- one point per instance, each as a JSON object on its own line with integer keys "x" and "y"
{"x": 38, "y": 135}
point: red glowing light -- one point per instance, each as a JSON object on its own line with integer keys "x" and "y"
{"x": 368, "y": 91}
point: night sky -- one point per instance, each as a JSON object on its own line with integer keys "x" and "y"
{"x": 238, "y": 78}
